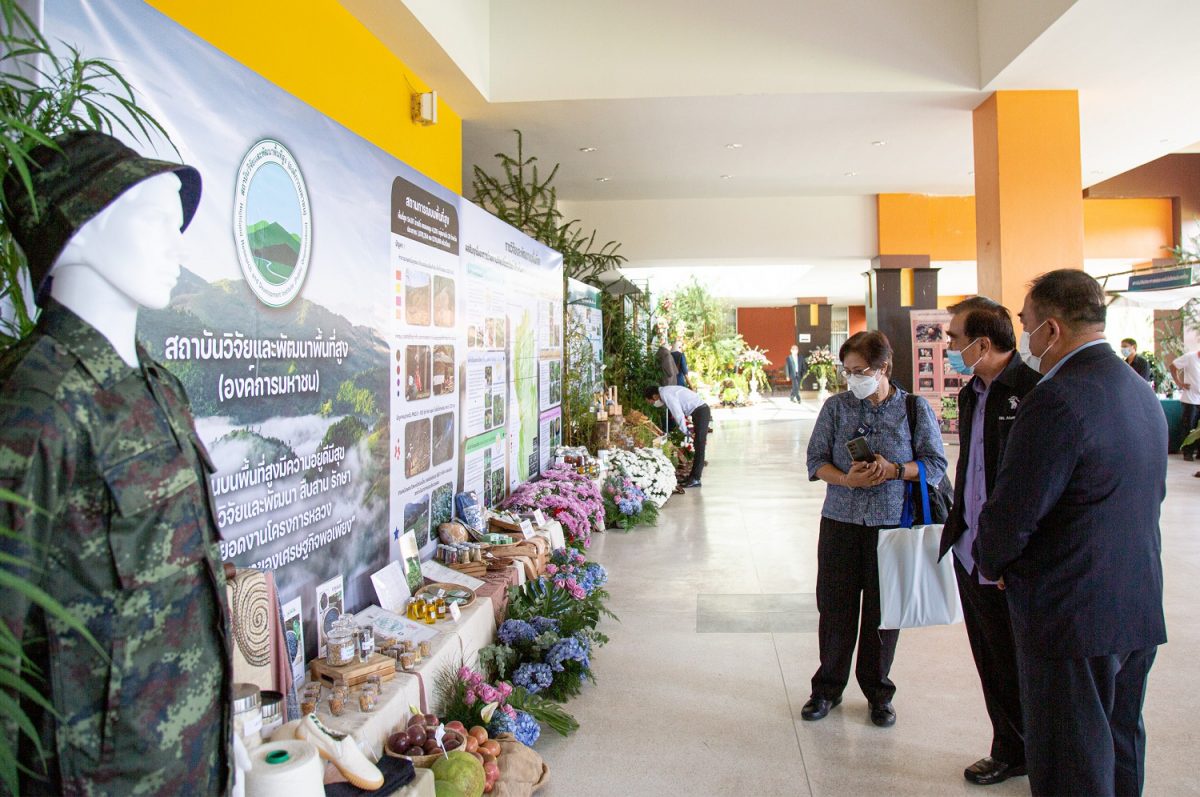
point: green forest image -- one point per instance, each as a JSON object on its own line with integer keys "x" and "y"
{"x": 273, "y": 206}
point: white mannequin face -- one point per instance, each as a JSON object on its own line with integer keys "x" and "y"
{"x": 134, "y": 244}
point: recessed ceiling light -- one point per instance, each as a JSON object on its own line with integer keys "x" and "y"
{"x": 1163, "y": 140}
{"x": 850, "y": 174}
{"x": 726, "y": 176}
{"x": 878, "y": 143}
{"x": 733, "y": 146}
{"x": 1097, "y": 171}
{"x": 603, "y": 179}
{"x": 587, "y": 149}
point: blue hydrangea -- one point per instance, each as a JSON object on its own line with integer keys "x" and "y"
{"x": 533, "y": 677}
{"x": 571, "y": 648}
{"x": 527, "y": 730}
{"x": 501, "y": 723}
{"x": 544, "y": 624}
{"x": 591, "y": 577}
{"x": 629, "y": 506}
{"x": 514, "y": 631}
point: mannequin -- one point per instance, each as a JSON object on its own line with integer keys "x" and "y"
{"x": 101, "y": 438}
{"x": 125, "y": 257}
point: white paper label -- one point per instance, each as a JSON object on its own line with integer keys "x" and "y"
{"x": 539, "y": 517}
{"x": 455, "y": 612}
{"x": 526, "y": 528}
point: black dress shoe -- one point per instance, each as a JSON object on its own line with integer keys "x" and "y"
{"x": 987, "y": 771}
{"x": 883, "y": 715}
{"x": 817, "y": 707}
{"x": 692, "y": 483}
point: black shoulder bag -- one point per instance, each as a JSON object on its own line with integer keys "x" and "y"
{"x": 941, "y": 495}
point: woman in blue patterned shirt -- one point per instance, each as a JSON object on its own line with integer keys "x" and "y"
{"x": 861, "y": 499}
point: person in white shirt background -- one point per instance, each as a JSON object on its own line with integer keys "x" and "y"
{"x": 683, "y": 403}
{"x": 1185, "y": 371}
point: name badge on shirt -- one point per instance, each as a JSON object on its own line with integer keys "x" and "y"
{"x": 863, "y": 430}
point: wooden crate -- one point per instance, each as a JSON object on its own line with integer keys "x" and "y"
{"x": 355, "y": 673}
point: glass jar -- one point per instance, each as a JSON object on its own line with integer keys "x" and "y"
{"x": 425, "y": 649}
{"x": 340, "y": 647}
{"x": 247, "y": 714}
{"x": 366, "y": 643}
{"x": 367, "y": 700}
{"x": 408, "y": 661}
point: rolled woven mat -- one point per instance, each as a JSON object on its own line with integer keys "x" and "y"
{"x": 290, "y": 767}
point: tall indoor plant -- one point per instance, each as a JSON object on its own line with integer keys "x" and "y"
{"x": 42, "y": 93}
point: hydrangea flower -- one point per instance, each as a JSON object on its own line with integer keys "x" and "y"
{"x": 512, "y": 632}
{"x": 533, "y": 677}
{"x": 570, "y": 648}
{"x": 544, "y": 624}
{"x": 526, "y": 729}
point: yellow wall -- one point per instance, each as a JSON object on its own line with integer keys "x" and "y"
{"x": 1123, "y": 228}
{"x": 318, "y": 52}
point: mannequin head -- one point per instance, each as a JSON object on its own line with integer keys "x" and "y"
{"x": 134, "y": 243}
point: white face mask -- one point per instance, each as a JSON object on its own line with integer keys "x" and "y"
{"x": 1032, "y": 360}
{"x": 658, "y": 403}
{"x": 863, "y": 385}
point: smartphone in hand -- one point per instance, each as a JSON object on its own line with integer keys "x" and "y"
{"x": 860, "y": 450}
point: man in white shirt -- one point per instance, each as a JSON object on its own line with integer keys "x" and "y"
{"x": 1186, "y": 373}
{"x": 683, "y": 403}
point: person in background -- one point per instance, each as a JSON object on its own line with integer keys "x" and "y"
{"x": 682, "y": 379}
{"x": 683, "y": 403}
{"x": 1071, "y": 532}
{"x": 1185, "y": 371}
{"x": 1136, "y": 361}
{"x": 795, "y": 372}
{"x": 982, "y": 346}
{"x": 862, "y": 498}
{"x": 668, "y": 373}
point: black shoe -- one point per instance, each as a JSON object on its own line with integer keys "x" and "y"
{"x": 692, "y": 483}
{"x": 987, "y": 771}
{"x": 883, "y": 715}
{"x": 817, "y": 707}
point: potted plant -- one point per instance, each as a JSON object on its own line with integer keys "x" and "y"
{"x": 822, "y": 367}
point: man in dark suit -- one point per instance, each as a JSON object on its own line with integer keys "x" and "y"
{"x": 982, "y": 346}
{"x": 1071, "y": 531}
{"x": 1136, "y": 361}
{"x": 795, "y": 372}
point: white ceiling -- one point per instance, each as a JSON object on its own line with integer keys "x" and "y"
{"x": 660, "y": 88}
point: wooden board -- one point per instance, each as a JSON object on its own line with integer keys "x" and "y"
{"x": 355, "y": 673}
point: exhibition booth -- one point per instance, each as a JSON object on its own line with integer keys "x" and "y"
{"x": 375, "y": 373}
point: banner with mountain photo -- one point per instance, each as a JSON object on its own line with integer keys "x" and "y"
{"x": 280, "y": 327}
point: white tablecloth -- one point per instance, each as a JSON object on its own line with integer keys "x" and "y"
{"x": 454, "y": 645}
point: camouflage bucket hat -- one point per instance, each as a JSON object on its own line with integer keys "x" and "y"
{"x": 73, "y": 183}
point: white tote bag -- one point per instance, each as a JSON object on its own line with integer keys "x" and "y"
{"x": 915, "y": 589}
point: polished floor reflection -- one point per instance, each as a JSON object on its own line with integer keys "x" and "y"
{"x": 701, "y": 687}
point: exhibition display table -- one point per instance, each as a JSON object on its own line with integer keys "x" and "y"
{"x": 455, "y": 645}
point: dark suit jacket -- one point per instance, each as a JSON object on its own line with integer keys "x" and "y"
{"x": 1007, "y": 391}
{"x": 1139, "y": 364}
{"x": 795, "y": 372}
{"x": 1072, "y": 525}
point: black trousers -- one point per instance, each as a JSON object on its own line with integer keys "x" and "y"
{"x": 989, "y": 629}
{"x": 1191, "y": 416}
{"x": 847, "y": 575}
{"x": 795, "y": 388}
{"x": 701, "y": 420}
{"x": 1083, "y": 722}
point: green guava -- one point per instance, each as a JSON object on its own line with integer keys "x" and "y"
{"x": 462, "y": 770}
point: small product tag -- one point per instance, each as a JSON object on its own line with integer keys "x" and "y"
{"x": 455, "y": 612}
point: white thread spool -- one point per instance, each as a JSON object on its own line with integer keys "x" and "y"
{"x": 291, "y": 767}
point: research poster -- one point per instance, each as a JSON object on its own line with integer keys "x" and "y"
{"x": 933, "y": 377}
{"x": 343, "y": 326}
{"x": 425, "y": 358}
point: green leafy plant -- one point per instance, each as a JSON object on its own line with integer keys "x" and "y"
{"x": 43, "y": 93}
{"x": 523, "y": 198}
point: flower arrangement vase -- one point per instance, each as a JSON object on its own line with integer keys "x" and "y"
{"x": 822, "y": 388}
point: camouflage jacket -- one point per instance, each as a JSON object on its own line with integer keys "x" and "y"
{"x": 128, "y": 545}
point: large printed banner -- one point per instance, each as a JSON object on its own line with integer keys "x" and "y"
{"x": 933, "y": 377}
{"x": 344, "y": 327}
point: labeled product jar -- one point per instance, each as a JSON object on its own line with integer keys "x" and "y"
{"x": 408, "y": 661}
{"x": 340, "y": 647}
{"x": 367, "y": 700}
{"x": 272, "y": 711}
{"x": 425, "y": 648}
{"x": 247, "y": 714}
{"x": 366, "y": 643}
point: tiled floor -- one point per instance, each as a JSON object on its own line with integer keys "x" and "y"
{"x": 700, "y": 688}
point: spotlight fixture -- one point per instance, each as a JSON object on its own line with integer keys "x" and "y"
{"x": 424, "y": 108}
{"x": 587, "y": 149}
{"x": 850, "y": 174}
{"x": 726, "y": 176}
{"x": 603, "y": 179}
{"x": 878, "y": 143}
{"x": 733, "y": 146}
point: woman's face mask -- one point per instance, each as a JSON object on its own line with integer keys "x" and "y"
{"x": 863, "y": 385}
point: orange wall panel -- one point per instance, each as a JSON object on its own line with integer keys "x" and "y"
{"x": 1126, "y": 228}
{"x": 772, "y": 329}
{"x": 942, "y": 227}
{"x": 858, "y": 318}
